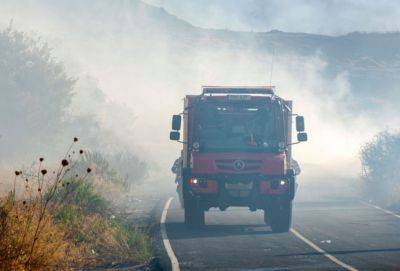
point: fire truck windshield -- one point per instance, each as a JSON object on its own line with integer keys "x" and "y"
{"x": 240, "y": 127}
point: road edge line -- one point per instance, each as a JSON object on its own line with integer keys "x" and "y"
{"x": 164, "y": 236}
{"x": 381, "y": 209}
{"x": 321, "y": 251}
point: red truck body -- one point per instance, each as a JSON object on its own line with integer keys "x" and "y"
{"x": 237, "y": 152}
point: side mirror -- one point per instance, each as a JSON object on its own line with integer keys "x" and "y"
{"x": 176, "y": 122}
{"x": 300, "y": 127}
{"x": 174, "y": 135}
{"x": 302, "y": 137}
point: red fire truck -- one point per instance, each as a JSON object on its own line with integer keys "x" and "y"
{"x": 237, "y": 152}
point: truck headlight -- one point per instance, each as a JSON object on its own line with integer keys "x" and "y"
{"x": 276, "y": 184}
{"x": 193, "y": 181}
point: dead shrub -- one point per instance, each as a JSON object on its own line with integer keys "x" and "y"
{"x": 31, "y": 239}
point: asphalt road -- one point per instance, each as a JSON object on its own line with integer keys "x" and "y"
{"x": 357, "y": 235}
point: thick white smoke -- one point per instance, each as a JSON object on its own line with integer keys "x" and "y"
{"x": 150, "y": 72}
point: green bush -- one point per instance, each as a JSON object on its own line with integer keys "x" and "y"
{"x": 78, "y": 192}
{"x": 380, "y": 168}
{"x": 101, "y": 167}
{"x": 122, "y": 169}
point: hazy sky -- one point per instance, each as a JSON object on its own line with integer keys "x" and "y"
{"x": 332, "y": 17}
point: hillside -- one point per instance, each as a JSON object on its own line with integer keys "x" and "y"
{"x": 146, "y": 58}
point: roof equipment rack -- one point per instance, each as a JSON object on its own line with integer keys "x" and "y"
{"x": 266, "y": 90}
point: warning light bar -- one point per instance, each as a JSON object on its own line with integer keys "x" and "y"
{"x": 266, "y": 90}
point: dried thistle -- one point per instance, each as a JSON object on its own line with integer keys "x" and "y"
{"x": 64, "y": 162}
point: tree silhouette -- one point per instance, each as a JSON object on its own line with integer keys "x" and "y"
{"x": 35, "y": 92}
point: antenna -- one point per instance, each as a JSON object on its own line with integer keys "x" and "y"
{"x": 272, "y": 64}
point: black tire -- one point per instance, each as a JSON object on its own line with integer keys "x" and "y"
{"x": 267, "y": 217}
{"x": 281, "y": 216}
{"x": 179, "y": 190}
{"x": 194, "y": 214}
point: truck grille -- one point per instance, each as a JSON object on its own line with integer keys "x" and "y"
{"x": 229, "y": 164}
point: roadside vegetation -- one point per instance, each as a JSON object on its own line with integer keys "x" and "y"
{"x": 60, "y": 222}
{"x": 380, "y": 169}
{"x": 62, "y": 214}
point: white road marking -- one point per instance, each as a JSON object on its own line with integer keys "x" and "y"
{"x": 381, "y": 209}
{"x": 323, "y": 252}
{"x": 167, "y": 244}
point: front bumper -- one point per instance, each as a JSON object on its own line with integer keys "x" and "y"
{"x": 253, "y": 191}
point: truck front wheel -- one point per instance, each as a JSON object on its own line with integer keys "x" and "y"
{"x": 280, "y": 216}
{"x": 267, "y": 217}
{"x": 194, "y": 214}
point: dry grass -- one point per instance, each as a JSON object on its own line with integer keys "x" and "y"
{"x": 105, "y": 241}
{"x": 92, "y": 225}
{"x": 33, "y": 242}
{"x": 60, "y": 223}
